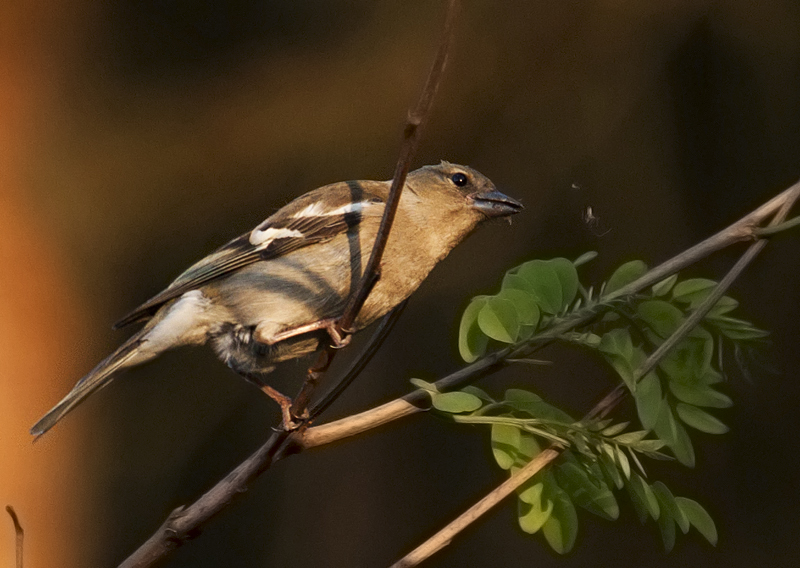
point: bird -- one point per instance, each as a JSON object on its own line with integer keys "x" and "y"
{"x": 272, "y": 294}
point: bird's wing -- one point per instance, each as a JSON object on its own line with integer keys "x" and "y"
{"x": 315, "y": 217}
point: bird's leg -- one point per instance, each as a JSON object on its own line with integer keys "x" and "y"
{"x": 339, "y": 337}
{"x": 299, "y": 407}
{"x": 296, "y": 413}
{"x": 287, "y": 420}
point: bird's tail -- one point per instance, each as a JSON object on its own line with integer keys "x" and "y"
{"x": 128, "y": 354}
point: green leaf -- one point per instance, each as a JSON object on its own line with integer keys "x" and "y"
{"x": 561, "y": 528}
{"x": 624, "y": 464}
{"x": 637, "y": 501}
{"x": 660, "y": 316}
{"x": 689, "y": 360}
{"x": 614, "y": 429}
{"x": 643, "y": 498}
{"x": 693, "y": 291}
{"x": 534, "y": 508}
{"x": 648, "y": 399}
{"x": 505, "y": 441}
{"x": 531, "y": 491}
{"x": 699, "y": 518}
{"x": 663, "y": 287}
{"x": 675, "y": 436}
{"x": 533, "y": 405}
{"x": 726, "y": 304}
{"x": 745, "y": 334}
{"x": 568, "y": 277}
{"x": 528, "y": 448}
{"x": 736, "y": 329}
{"x": 480, "y": 393}
{"x": 710, "y": 377}
{"x": 522, "y": 396}
{"x": 598, "y": 425}
{"x": 666, "y": 524}
{"x": 610, "y": 470}
{"x": 631, "y": 438}
{"x": 456, "y": 402}
{"x": 653, "y": 508}
{"x": 649, "y": 446}
{"x": 584, "y": 258}
{"x": 524, "y": 304}
{"x": 699, "y": 419}
{"x": 472, "y": 341}
{"x": 682, "y": 447}
{"x": 700, "y": 395}
{"x": 670, "y": 506}
{"x": 596, "y": 498}
{"x": 665, "y": 426}
{"x": 513, "y": 281}
{"x": 617, "y": 342}
{"x": 634, "y": 453}
{"x": 621, "y": 354}
{"x": 424, "y": 385}
{"x": 498, "y": 319}
{"x": 544, "y": 284}
{"x": 625, "y": 274}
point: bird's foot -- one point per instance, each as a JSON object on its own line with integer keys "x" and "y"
{"x": 339, "y": 337}
{"x": 289, "y": 422}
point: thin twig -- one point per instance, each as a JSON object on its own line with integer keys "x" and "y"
{"x": 781, "y": 227}
{"x": 406, "y": 405}
{"x": 745, "y": 229}
{"x": 412, "y": 134}
{"x": 417, "y": 119}
{"x": 184, "y": 523}
{"x": 20, "y": 534}
{"x": 444, "y": 536}
{"x": 363, "y": 359}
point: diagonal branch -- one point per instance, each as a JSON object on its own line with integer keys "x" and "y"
{"x": 375, "y": 342}
{"x": 417, "y": 119}
{"x": 444, "y": 536}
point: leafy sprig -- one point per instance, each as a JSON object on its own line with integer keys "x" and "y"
{"x": 599, "y": 456}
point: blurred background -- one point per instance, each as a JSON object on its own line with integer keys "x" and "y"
{"x": 138, "y": 136}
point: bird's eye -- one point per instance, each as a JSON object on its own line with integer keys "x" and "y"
{"x": 459, "y": 179}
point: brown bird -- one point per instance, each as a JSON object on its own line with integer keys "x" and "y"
{"x": 272, "y": 294}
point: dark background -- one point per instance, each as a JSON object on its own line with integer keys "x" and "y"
{"x": 154, "y": 132}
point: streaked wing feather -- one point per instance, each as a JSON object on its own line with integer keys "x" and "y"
{"x": 239, "y": 252}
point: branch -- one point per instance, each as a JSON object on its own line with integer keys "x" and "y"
{"x": 407, "y": 405}
{"x": 745, "y": 229}
{"x": 412, "y": 134}
{"x": 415, "y": 123}
{"x": 444, "y": 536}
{"x": 363, "y": 359}
{"x": 20, "y": 534}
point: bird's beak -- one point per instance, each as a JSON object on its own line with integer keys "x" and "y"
{"x": 495, "y": 204}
